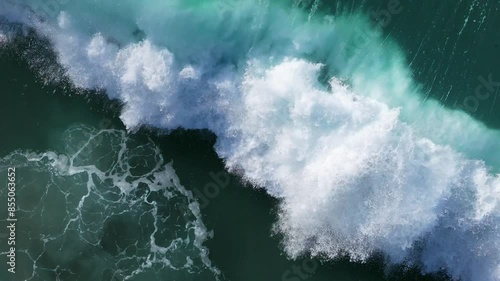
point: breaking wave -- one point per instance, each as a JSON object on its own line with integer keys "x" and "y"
{"x": 361, "y": 163}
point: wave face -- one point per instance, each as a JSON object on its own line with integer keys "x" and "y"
{"x": 360, "y": 169}
{"x": 104, "y": 180}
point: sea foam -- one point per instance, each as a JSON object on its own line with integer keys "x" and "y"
{"x": 116, "y": 208}
{"x": 361, "y": 165}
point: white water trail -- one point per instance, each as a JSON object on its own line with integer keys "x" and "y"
{"x": 358, "y": 169}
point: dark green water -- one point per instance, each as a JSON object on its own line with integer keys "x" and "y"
{"x": 448, "y": 44}
{"x": 36, "y": 115}
{"x": 240, "y": 216}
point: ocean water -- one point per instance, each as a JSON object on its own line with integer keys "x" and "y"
{"x": 243, "y": 140}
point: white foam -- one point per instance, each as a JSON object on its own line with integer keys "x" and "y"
{"x": 105, "y": 164}
{"x": 358, "y": 170}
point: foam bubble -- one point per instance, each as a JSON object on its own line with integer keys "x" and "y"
{"x": 116, "y": 200}
{"x": 357, "y": 168}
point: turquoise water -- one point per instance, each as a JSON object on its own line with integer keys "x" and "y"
{"x": 241, "y": 140}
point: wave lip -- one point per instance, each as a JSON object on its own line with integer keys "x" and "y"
{"x": 356, "y": 180}
{"x": 359, "y": 170}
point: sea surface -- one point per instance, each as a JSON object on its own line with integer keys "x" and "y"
{"x": 250, "y": 140}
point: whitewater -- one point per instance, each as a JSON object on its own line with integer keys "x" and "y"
{"x": 362, "y": 163}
